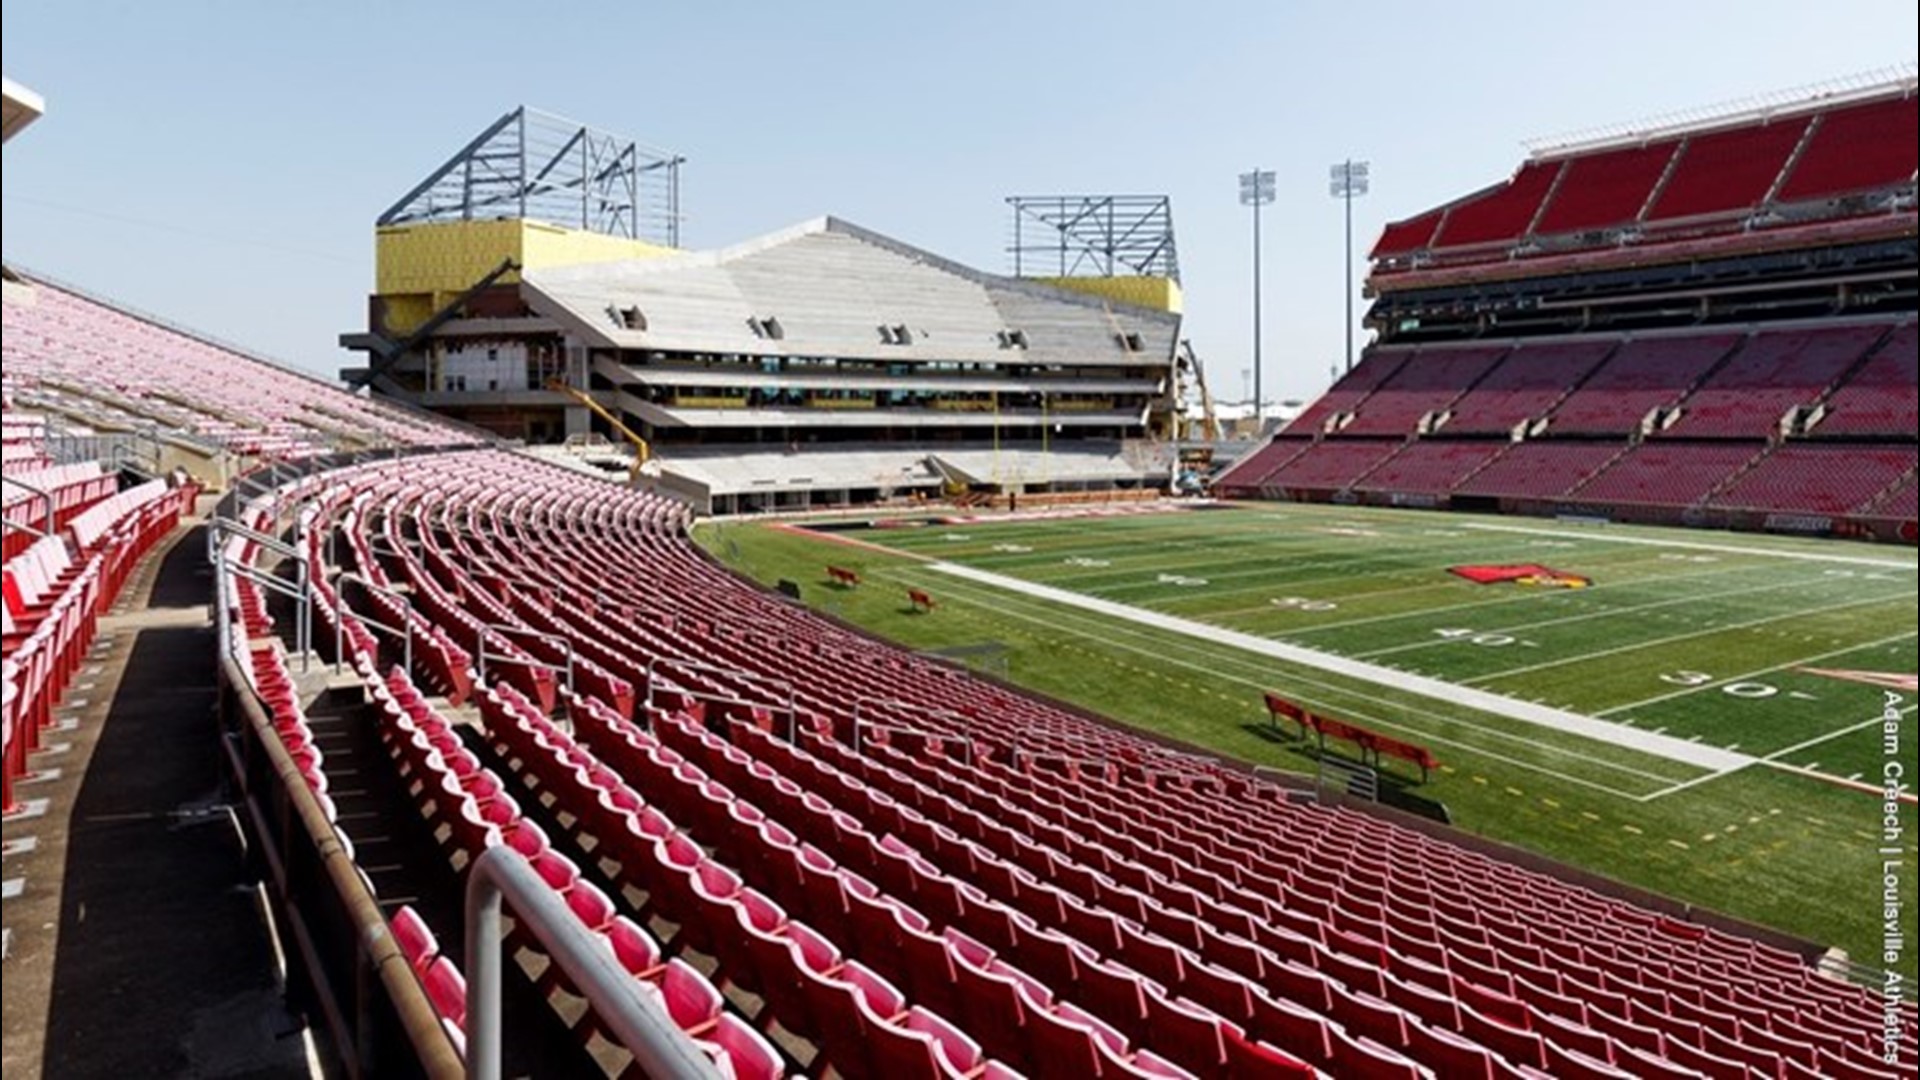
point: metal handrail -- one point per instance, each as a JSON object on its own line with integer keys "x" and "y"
{"x": 873, "y": 725}
{"x": 792, "y": 708}
{"x": 28, "y": 529}
{"x": 506, "y": 631}
{"x": 46, "y": 497}
{"x": 403, "y": 632}
{"x": 300, "y": 591}
{"x": 501, "y": 876}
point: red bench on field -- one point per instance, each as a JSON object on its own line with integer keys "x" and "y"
{"x": 919, "y": 600}
{"x": 1369, "y": 742}
{"x": 843, "y": 576}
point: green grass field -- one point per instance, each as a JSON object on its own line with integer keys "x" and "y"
{"x": 1721, "y": 770}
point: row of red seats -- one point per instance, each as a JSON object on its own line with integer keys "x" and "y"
{"x": 1660, "y": 473}
{"x": 746, "y": 911}
{"x": 55, "y": 591}
{"x": 1431, "y": 466}
{"x": 1680, "y": 1026}
{"x": 458, "y": 792}
{"x": 1612, "y": 385}
{"x": 72, "y": 488}
{"x": 1428, "y": 382}
{"x": 1815, "y": 478}
{"x": 1526, "y": 385}
{"x": 1879, "y": 398}
{"x": 135, "y": 372}
{"x": 1750, "y": 395}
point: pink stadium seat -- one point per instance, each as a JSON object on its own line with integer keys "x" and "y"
{"x": 746, "y": 1051}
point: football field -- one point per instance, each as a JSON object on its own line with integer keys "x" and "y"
{"x": 1697, "y": 712}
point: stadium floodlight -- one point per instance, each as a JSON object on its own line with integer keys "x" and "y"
{"x": 1346, "y": 182}
{"x": 1256, "y": 190}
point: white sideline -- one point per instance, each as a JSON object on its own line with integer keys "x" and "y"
{"x": 1593, "y": 533}
{"x": 1681, "y": 750}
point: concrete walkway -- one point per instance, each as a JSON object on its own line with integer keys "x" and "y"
{"x": 1662, "y": 746}
{"x": 136, "y": 943}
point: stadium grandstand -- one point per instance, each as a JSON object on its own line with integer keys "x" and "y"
{"x": 527, "y": 782}
{"x": 821, "y": 365}
{"x": 1708, "y": 322}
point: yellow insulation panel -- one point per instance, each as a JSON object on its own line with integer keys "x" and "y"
{"x": 420, "y": 268}
{"x": 1158, "y": 293}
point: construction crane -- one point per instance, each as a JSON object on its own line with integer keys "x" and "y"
{"x": 1210, "y": 424}
{"x": 642, "y": 454}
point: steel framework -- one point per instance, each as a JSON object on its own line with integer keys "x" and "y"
{"x": 1093, "y": 236}
{"x": 540, "y": 167}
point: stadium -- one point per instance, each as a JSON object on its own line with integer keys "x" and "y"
{"x": 814, "y": 655}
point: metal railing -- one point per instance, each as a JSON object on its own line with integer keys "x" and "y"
{"x": 300, "y": 590}
{"x": 507, "y": 631}
{"x": 502, "y": 877}
{"x": 46, "y": 501}
{"x": 654, "y": 663}
{"x": 859, "y": 726}
{"x": 404, "y": 631}
{"x": 1358, "y": 781}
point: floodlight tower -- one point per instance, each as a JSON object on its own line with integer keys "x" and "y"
{"x": 1256, "y": 190}
{"x": 1346, "y": 182}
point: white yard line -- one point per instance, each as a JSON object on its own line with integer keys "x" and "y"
{"x": 1773, "y": 759}
{"x": 1680, "y": 750}
{"x": 1213, "y": 662}
{"x": 1695, "y": 545}
{"x": 1522, "y": 596}
{"x": 1263, "y": 575}
{"x": 1818, "y": 739}
{"x": 1628, "y": 610}
{"x": 1689, "y": 635}
{"x": 1743, "y": 676}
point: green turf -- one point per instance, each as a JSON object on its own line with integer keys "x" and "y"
{"x": 1699, "y": 635}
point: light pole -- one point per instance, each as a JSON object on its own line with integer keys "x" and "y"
{"x": 1347, "y": 181}
{"x": 1256, "y": 190}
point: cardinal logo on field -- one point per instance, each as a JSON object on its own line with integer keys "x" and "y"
{"x": 1888, "y": 679}
{"x": 1533, "y": 574}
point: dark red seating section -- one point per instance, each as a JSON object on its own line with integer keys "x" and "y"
{"x": 1778, "y": 386}
{"x": 1711, "y": 185}
{"x": 1899, "y": 504}
{"x": 1605, "y": 190}
{"x": 1774, "y": 371}
{"x": 1541, "y": 469}
{"x": 1820, "y": 479}
{"x": 964, "y": 881}
{"x": 1331, "y": 464}
{"x": 1428, "y": 382}
{"x": 1857, "y": 149}
{"x": 1413, "y": 234}
{"x": 1374, "y": 368}
{"x": 1431, "y": 466}
{"x": 1880, "y": 397}
{"x": 1727, "y": 171}
{"x": 1644, "y": 374}
{"x": 1501, "y": 214}
{"x": 1526, "y": 385}
{"x": 1252, "y": 470}
{"x": 1667, "y": 474}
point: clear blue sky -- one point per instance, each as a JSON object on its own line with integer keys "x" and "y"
{"x": 222, "y": 163}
